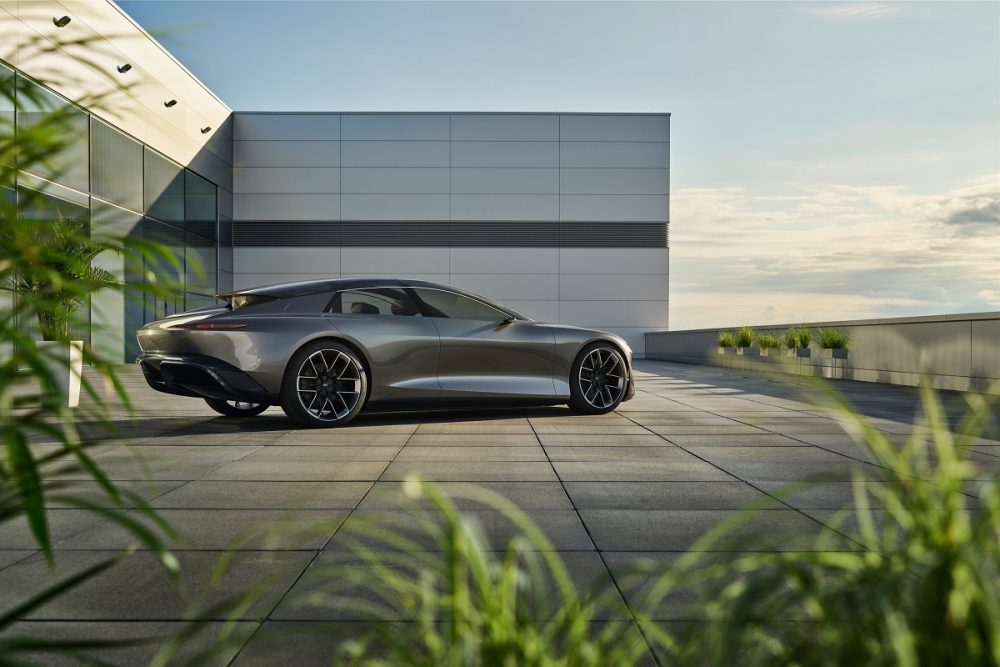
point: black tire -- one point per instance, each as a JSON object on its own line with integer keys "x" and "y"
{"x": 333, "y": 376}
{"x": 598, "y": 380}
{"x": 234, "y": 409}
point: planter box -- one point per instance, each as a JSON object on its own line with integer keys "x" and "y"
{"x": 772, "y": 352}
{"x": 64, "y": 361}
{"x": 833, "y": 353}
{"x": 727, "y": 350}
{"x": 747, "y": 352}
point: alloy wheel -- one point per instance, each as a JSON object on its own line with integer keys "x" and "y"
{"x": 602, "y": 377}
{"x": 328, "y": 385}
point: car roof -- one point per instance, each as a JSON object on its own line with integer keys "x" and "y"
{"x": 304, "y": 287}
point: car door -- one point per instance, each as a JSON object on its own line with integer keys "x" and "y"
{"x": 402, "y": 346}
{"x": 484, "y": 352}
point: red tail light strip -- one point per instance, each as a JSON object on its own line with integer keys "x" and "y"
{"x": 210, "y": 325}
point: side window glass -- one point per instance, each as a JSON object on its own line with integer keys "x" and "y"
{"x": 374, "y": 301}
{"x": 442, "y": 303}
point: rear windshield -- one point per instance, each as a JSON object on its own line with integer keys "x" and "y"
{"x": 242, "y": 300}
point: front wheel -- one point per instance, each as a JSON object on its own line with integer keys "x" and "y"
{"x": 598, "y": 379}
{"x": 325, "y": 385}
{"x": 236, "y": 408}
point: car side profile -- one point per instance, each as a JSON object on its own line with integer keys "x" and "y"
{"x": 324, "y": 350}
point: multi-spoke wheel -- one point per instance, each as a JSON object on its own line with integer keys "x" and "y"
{"x": 236, "y": 408}
{"x": 598, "y": 380}
{"x": 324, "y": 385}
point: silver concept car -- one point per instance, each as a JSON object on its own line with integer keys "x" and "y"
{"x": 325, "y": 349}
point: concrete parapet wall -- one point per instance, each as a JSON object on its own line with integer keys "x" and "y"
{"x": 960, "y": 352}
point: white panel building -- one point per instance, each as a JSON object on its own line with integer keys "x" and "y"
{"x": 562, "y": 216}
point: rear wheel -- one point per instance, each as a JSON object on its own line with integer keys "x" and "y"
{"x": 236, "y": 408}
{"x": 325, "y": 385}
{"x": 598, "y": 379}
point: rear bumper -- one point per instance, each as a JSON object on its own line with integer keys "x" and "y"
{"x": 201, "y": 377}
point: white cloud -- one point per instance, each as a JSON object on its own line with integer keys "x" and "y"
{"x": 860, "y": 11}
{"x": 991, "y": 296}
{"x": 831, "y": 252}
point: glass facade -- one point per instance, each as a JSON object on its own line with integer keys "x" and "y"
{"x": 119, "y": 187}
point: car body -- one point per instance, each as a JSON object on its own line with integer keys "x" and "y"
{"x": 417, "y": 344}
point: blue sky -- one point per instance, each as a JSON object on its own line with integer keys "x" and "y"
{"x": 829, "y": 160}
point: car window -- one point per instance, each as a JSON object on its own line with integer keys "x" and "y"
{"x": 374, "y": 301}
{"x": 442, "y": 303}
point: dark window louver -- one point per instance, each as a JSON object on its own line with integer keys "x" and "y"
{"x": 442, "y": 233}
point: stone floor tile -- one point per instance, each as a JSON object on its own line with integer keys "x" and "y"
{"x": 264, "y": 495}
{"x": 662, "y": 495}
{"x": 526, "y": 495}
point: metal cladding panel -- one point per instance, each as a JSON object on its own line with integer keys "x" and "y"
{"x": 285, "y": 126}
{"x": 410, "y": 127}
{"x": 614, "y": 208}
{"x": 614, "y": 181}
{"x": 635, "y": 154}
{"x": 286, "y": 180}
{"x": 505, "y": 207}
{"x": 509, "y": 286}
{"x": 212, "y": 167}
{"x": 505, "y": 154}
{"x": 609, "y": 287}
{"x": 612, "y": 127}
{"x": 594, "y": 313}
{"x": 504, "y": 127}
{"x": 316, "y": 153}
{"x": 501, "y": 260}
{"x": 394, "y": 207}
{"x": 394, "y": 261}
{"x": 395, "y": 153}
{"x": 287, "y": 259}
{"x": 286, "y": 207}
{"x": 612, "y": 260}
{"x": 400, "y": 180}
{"x": 509, "y": 180}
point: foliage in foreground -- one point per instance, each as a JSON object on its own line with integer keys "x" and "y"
{"x": 49, "y": 261}
{"x": 910, "y": 576}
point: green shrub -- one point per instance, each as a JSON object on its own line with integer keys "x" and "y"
{"x": 768, "y": 342}
{"x": 744, "y": 337}
{"x": 798, "y": 338}
{"x": 833, "y": 339}
{"x": 727, "y": 339}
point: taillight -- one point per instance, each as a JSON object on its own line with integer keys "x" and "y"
{"x": 210, "y": 325}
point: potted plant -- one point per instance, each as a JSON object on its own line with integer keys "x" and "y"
{"x": 797, "y": 341}
{"x": 727, "y": 342}
{"x": 54, "y": 289}
{"x": 744, "y": 341}
{"x": 833, "y": 343}
{"x": 769, "y": 344}
{"x": 833, "y": 352}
